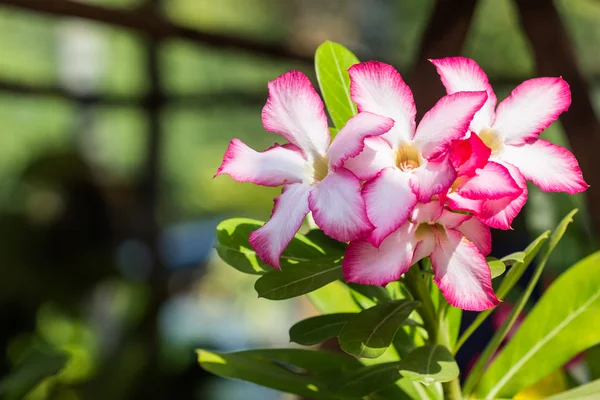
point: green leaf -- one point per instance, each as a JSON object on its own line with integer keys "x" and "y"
{"x": 332, "y": 61}
{"x": 592, "y": 359}
{"x": 497, "y": 267}
{"x": 333, "y": 298}
{"x": 429, "y": 364}
{"x": 501, "y": 333}
{"x": 562, "y": 324}
{"x": 329, "y": 246}
{"x": 511, "y": 278}
{"x": 296, "y": 280}
{"x": 233, "y": 247}
{"x": 35, "y": 366}
{"x": 514, "y": 258}
{"x": 310, "y": 376}
{"x": 317, "y": 329}
{"x": 362, "y": 382}
{"x": 367, "y": 295}
{"x": 589, "y": 391}
{"x": 371, "y": 332}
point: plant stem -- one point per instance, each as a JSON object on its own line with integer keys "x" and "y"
{"x": 452, "y": 390}
{"x": 417, "y": 285}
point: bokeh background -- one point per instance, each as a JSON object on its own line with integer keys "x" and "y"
{"x": 114, "y": 115}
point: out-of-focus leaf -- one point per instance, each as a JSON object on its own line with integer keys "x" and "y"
{"x": 34, "y": 367}
{"x": 298, "y": 279}
{"x": 497, "y": 267}
{"x": 552, "y": 384}
{"x": 332, "y": 61}
{"x": 561, "y": 325}
{"x": 370, "y": 333}
{"x": 368, "y": 295}
{"x": 589, "y": 391}
{"x": 592, "y": 358}
{"x": 233, "y": 247}
{"x": 333, "y": 298}
{"x": 303, "y": 372}
{"x": 317, "y": 329}
{"x": 429, "y": 364}
{"x": 367, "y": 380}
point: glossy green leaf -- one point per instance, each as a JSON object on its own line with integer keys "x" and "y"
{"x": 332, "y": 61}
{"x": 370, "y": 333}
{"x": 233, "y": 247}
{"x": 317, "y": 329}
{"x": 429, "y": 364}
{"x": 367, "y": 380}
{"x": 310, "y": 375}
{"x": 511, "y": 278}
{"x": 35, "y": 366}
{"x": 333, "y": 298}
{"x": 514, "y": 258}
{"x": 327, "y": 245}
{"x": 497, "y": 267}
{"x": 298, "y": 279}
{"x": 368, "y": 295}
{"x": 562, "y": 324}
{"x": 589, "y": 391}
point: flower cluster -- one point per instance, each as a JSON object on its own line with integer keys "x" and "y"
{"x": 399, "y": 192}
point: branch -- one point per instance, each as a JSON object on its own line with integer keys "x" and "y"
{"x": 155, "y": 26}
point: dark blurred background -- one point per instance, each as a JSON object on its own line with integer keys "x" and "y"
{"x": 114, "y": 115}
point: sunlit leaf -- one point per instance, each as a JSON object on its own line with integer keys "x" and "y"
{"x": 370, "y": 333}
{"x": 298, "y": 279}
{"x": 332, "y": 61}
{"x": 514, "y": 258}
{"x": 367, "y": 380}
{"x": 303, "y": 372}
{"x": 233, "y": 247}
{"x": 429, "y": 364}
{"x": 368, "y": 295}
{"x": 333, "y": 298}
{"x": 589, "y": 391}
{"x": 317, "y": 329}
{"x": 563, "y": 323}
{"x": 497, "y": 267}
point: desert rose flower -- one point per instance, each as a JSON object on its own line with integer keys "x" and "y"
{"x": 456, "y": 243}
{"x": 478, "y": 180}
{"x": 511, "y": 132}
{"x": 408, "y": 163}
{"x": 310, "y": 168}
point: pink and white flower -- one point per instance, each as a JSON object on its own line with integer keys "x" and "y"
{"x": 511, "y": 132}
{"x": 456, "y": 243}
{"x": 478, "y": 180}
{"x": 408, "y": 163}
{"x": 310, "y": 168}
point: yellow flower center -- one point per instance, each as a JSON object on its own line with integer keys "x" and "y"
{"x": 320, "y": 167}
{"x": 492, "y": 140}
{"x": 408, "y": 157}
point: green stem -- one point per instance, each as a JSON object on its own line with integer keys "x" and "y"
{"x": 416, "y": 282}
{"x": 452, "y": 390}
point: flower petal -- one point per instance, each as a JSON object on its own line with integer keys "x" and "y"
{"x": 456, "y": 202}
{"x": 431, "y": 178}
{"x": 295, "y": 110}
{"x": 461, "y": 272}
{"x": 426, "y": 212}
{"x": 338, "y": 207}
{"x": 389, "y": 201}
{"x": 469, "y": 154}
{"x": 478, "y": 233}
{"x": 378, "y": 88}
{"x": 451, "y": 220}
{"x": 553, "y": 168}
{"x": 500, "y": 213}
{"x": 376, "y": 155}
{"x": 272, "y": 167}
{"x": 289, "y": 211}
{"x": 368, "y": 265}
{"x": 531, "y": 107}
{"x": 461, "y": 74}
{"x": 491, "y": 182}
{"x": 448, "y": 120}
{"x": 350, "y": 140}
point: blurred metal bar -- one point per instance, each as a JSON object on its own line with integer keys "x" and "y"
{"x": 156, "y": 26}
{"x": 554, "y": 56}
{"x": 444, "y": 37}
